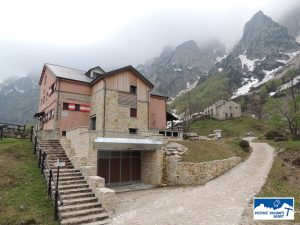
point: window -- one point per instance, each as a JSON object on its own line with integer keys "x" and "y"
{"x": 133, "y": 89}
{"x": 132, "y": 130}
{"x": 64, "y": 133}
{"x": 65, "y": 106}
{"x": 77, "y": 107}
{"x": 93, "y": 123}
{"x": 230, "y": 107}
{"x": 133, "y": 112}
{"x": 45, "y": 80}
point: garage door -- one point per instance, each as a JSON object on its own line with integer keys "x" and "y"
{"x": 119, "y": 167}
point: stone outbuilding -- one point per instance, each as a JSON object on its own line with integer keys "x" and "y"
{"x": 224, "y": 109}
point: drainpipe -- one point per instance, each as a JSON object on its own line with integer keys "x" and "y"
{"x": 148, "y": 108}
{"x": 104, "y": 108}
{"x": 57, "y": 103}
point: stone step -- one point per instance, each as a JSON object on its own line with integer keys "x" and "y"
{"x": 102, "y": 222}
{"x": 72, "y": 186}
{"x": 76, "y": 174}
{"x": 78, "y": 196}
{"x": 71, "y": 178}
{"x": 70, "y": 208}
{"x": 80, "y": 201}
{"x": 83, "y": 212}
{"x": 52, "y": 167}
{"x": 65, "y": 171}
{"x": 85, "y": 219}
{"x": 71, "y": 182}
{"x": 75, "y": 191}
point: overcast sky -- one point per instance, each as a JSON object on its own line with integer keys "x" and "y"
{"x": 111, "y": 33}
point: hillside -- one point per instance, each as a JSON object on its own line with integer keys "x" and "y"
{"x": 23, "y": 191}
{"x": 212, "y": 89}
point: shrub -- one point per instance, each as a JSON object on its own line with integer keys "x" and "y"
{"x": 244, "y": 145}
{"x": 271, "y": 135}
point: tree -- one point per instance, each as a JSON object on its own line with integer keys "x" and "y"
{"x": 257, "y": 103}
{"x": 286, "y": 111}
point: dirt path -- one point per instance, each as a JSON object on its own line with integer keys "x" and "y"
{"x": 220, "y": 201}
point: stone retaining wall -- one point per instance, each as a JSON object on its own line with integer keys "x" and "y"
{"x": 186, "y": 173}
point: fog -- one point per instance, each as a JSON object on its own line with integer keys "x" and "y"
{"x": 112, "y": 43}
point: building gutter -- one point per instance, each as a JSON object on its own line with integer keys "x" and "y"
{"x": 104, "y": 108}
{"x": 57, "y": 103}
{"x": 148, "y": 108}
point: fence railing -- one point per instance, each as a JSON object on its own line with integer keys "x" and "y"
{"x": 43, "y": 164}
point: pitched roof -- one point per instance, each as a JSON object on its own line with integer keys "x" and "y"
{"x": 157, "y": 93}
{"x": 69, "y": 73}
{"x": 80, "y": 75}
{"x": 126, "y": 68}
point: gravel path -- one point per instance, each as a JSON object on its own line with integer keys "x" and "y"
{"x": 220, "y": 201}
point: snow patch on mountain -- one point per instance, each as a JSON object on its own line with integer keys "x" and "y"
{"x": 293, "y": 54}
{"x": 248, "y": 84}
{"x": 178, "y": 69}
{"x": 286, "y": 85}
{"x": 298, "y": 39}
{"x": 9, "y": 91}
{"x": 189, "y": 87}
{"x": 219, "y": 59}
{"x": 19, "y": 89}
{"x": 249, "y": 63}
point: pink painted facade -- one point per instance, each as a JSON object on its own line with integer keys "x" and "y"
{"x": 157, "y": 112}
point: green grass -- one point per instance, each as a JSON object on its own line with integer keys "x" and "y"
{"x": 230, "y": 128}
{"x": 211, "y": 90}
{"x": 284, "y": 178}
{"x": 23, "y": 191}
{"x": 205, "y": 151}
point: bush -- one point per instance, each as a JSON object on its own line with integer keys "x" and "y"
{"x": 244, "y": 145}
{"x": 271, "y": 135}
{"x": 280, "y": 138}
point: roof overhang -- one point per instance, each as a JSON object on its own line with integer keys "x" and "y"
{"x": 39, "y": 114}
{"x": 126, "y": 144}
{"x": 171, "y": 117}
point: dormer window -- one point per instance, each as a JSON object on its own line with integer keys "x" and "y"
{"x": 133, "y": 89}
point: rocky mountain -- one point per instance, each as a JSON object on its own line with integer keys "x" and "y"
{"x": 265, "y": 48}
{"x": 19, "y": 100}
{"x": 179, "y": 69}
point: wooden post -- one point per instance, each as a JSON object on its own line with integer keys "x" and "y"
{"x": 40, "y": 157}
{"x": 35, "y": 144}
{"x": 31, "y": 134}
{"x": 56, "y": 196}
{"x": 1, "y": 133}
{"x": 49, "y": 183}
{"x": 43, "y": 162}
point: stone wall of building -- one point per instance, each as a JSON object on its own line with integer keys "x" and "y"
{"x": 187, "y": 173}
{"x": 152, "y": 167}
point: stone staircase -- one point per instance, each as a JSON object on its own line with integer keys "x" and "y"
{"x": 80, "y": 206}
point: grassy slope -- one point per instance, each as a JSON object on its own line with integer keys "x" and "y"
{"x": 284, "y": 178}
{"x": 204, "y": 151}
{"x": 23, "y": 194}
{"x": 205, "y": 94}
{"x": 230, "y": 128}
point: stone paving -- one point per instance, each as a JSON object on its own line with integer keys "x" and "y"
{"x": 219, "y": 202}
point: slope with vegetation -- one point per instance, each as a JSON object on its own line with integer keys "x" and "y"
{"x": 23, "y": 194}
{"x": 206, "y": 93}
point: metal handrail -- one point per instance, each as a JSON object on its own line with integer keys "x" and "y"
{"x": 43, "y": 163}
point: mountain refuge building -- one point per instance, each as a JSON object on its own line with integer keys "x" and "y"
{"x": 109, "y": 122}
